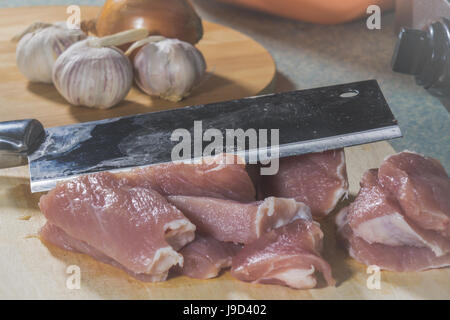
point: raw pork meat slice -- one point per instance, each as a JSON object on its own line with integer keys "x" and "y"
{"x": 317, "y": 179}
{"x": 287, "y": 256}
{"x": 205, "y": 257}
{"x": 232, "y": 221}
{"x": 132, "y": 225}
{"x": 377, "y": 218}
{"x": 253, "y": 171}
{"x": 223, "y": 176}
{"x": 393, "y": 258}
{"x": 421, "y": 186}
{"x": 56, "y": 236}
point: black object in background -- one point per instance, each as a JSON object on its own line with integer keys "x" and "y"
{"x": 425, "y": 54}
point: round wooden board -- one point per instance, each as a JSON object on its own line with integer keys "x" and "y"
{"x": 237, "y": 65}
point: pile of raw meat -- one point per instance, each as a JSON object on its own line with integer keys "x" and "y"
{"x": 400, "y": 220}
{"x": 197, "y": 219}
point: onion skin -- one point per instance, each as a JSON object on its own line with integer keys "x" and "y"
{"x": 169, "y": 18}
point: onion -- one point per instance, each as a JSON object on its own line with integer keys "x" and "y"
{"x": 169, "y": 18}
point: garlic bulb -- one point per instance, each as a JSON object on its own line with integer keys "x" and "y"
{"x": 168, "y": 68}
{"x": 40, "y": 45}
{"x": 94, "y": 73}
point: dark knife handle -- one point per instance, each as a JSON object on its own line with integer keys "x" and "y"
{"x": 18, "y": 139}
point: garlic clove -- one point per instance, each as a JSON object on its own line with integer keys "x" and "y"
{"x": 93, "y": 77}
{"x": 187, "y": 69}
{"x": 168, "y": 68}
{"x": 93, "y": 73}
{"x": 40, "y": 45}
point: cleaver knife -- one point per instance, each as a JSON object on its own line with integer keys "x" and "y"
{"x": 310, "y": 120}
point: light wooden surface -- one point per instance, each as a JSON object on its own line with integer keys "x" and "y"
{"x": 29, "y": 269}
{"x": 237, "y": 65}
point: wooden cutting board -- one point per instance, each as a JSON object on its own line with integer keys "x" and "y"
{"x": 30, "y": 270}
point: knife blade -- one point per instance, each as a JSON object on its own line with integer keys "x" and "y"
{"x": 309, "y": 120}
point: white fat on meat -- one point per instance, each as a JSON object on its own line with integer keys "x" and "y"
{"x": 393, "y": 258}
{"x": 178, "y": 233}
{"x": 394, "y": 230}
{"x": 294, "y": 278}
